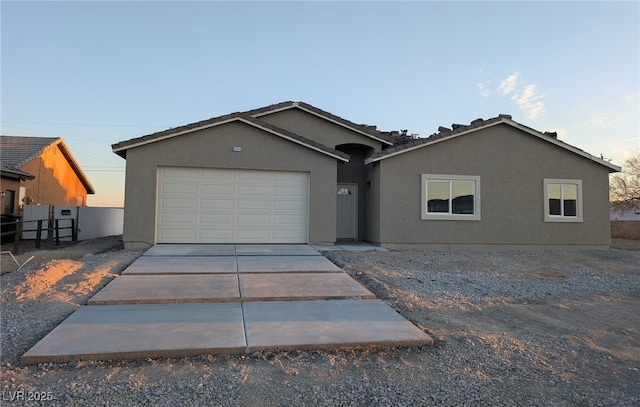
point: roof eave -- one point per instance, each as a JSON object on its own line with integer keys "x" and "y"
{"x": 75, "y": 166}
{"x": 20, "y": 175}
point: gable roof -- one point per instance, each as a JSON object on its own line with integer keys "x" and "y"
{"x": 16, "y": 151}
{"x": 365, "y": 130}
{"x": 457, "y": 130}
{"x": 251, "y": 118}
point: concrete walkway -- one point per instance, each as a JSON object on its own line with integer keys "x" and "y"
{"x": 185, "y": 300}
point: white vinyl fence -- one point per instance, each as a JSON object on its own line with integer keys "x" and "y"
{"x": 99, "y": 222}
{"x": 90, "y": 222}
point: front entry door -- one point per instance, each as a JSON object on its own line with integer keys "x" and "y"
{"x": 347, "y": 211}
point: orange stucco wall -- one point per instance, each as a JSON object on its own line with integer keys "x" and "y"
{"x": 56, "y": 183}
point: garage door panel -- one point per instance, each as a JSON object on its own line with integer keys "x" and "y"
{"x": 179, "y": 188}
{"x": 289, "y": 205}
{"x": 217, "y": 203}
{"x": 178, "y": 233}
{"x": 288, "y": 192}
{"x": 215, "y": 234}
{"x": 253, "y": 204}
{"x": 218, "y": 175}
{"x": 218, "y": 218}
{"x": 216, "y": 189}
{"x": 178, "y": 203}
{"x": 178, "y": 218}
{"x": 179, "y": 172}
{"x": 284, "y": 234}
{"x": 249, "y": 176}
{"x": 253, "y": 220}
{"x": 253, "y": 234}
{"x": 288, "y": 220}
{"x": 198, "y": 205}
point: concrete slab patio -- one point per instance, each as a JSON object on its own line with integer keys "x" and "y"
{"x": 182, "y": 265}
{"x": 182, "y": 300}
{"x": 300, "y": 286}
{"x": 192, "y": 250}
{"x": 321, "y": 324}
{"x": 167, "y": 289}
{"x": 286, "y": 264}
{"x": 111, "y": 332}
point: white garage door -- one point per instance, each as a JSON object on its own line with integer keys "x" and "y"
{"x": 204, "y": 205}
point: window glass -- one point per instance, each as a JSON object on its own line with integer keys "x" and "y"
{"x": 438, "y": 196}
{"x": 570, "y": 199}
{"x": 462, "y": 193}
{"x": 555, "y": 195}
{"x": 344, "y": 191}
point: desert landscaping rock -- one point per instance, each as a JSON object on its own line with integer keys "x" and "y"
{"x": 526, "y": 328}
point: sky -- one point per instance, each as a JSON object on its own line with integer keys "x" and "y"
{"x": 97, "y": 73}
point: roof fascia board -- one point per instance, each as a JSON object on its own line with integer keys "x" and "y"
{"x": 329, "y": 119}
{"x": 232, "y": 119}
{"x": 75, "y": 165}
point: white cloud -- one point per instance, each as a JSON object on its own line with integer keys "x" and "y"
{"x": 594, "y": 121}
{"x": 509, "y": 84}
{"x": 530, "y": 101}
{"x": 528, "y": 98}
{"x": 483, "y": 88}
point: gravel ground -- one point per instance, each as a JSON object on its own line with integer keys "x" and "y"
{"x": 526, "y": 328}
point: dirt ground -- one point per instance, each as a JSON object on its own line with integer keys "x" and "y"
{"x": 575, "y": 350}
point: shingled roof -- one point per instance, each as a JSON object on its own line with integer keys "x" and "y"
{"x": 16, "y": 151}
{"x": 252, "y": 117}
{"x": 457, "y": 130}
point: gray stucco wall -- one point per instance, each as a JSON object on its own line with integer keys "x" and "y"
{"x": 318, "y": 129}
{"x": 212, "y": 148}
{"x": 512, "y": 166}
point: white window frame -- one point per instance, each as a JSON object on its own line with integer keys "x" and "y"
{"x": 561, "y": 218}
{"x": 450, "y": 216}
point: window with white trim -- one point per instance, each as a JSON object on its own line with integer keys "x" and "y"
{"x": 562, "y": 200}
{"x": 450, "y": 197}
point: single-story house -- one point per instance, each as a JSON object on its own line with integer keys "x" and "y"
{"x": 293, "y": 173}
{"x": 40, "y": 170}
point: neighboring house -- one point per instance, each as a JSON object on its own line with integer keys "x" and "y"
{"x": 40, "y": 170}
{"x": 292, "y": 173}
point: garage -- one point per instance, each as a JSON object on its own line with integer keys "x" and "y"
{"x": 209, "y": 205}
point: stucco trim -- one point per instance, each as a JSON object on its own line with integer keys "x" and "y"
{"x": 502, "y": 120}
{"x": 477, "y": 207}
{"x": 557, "y": 218}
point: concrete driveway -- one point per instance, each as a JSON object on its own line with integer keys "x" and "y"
{"x": 183, "y": 300}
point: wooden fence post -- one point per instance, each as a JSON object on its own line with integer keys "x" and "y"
{"x": 16, "y": 238}
{"x": 39, "y": 234}
{"x": 57, "y": 226}
{"x": 74, "y": 231}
